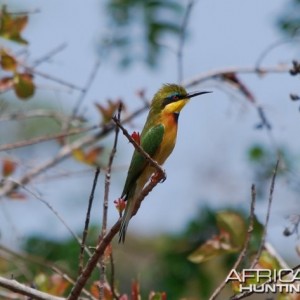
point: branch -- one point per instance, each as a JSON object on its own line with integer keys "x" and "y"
{"x": 105, "y": 202}
{"x": 263, "y": 239}
{"x": 86, "y": 88}
{"x": 42, "y": 263}
{"x": 91, "y": 264}
{"x": 46, "y": 138}
{"x": 16, "y": 116}
{"x": 139, "y": 149}
{"x": 49, "y": 55}
{"x": 87, "y": 220}
{"x": 64, "y": 153}
{"x": 19, "y": 288}
{"x": 238, "y": 70}
{"x": 246, "y": 243}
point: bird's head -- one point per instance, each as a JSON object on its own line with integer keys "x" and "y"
{"x": 171, "y": 98}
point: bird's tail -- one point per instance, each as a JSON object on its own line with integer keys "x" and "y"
{"x": 125, "y": 219}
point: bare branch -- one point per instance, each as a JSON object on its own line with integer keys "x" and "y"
{"x": 87, "y": 220}
{"x": 105, "y": 202}
{"x": 42, "y": 263}
{"x": 19, "y": 288}
{"x": 86, "y": 88}
{"x": 238, "y": 70}
{"x": 49, "y": 55}
{"x": 46, "y": 138}
{"x": 16, "y": 116}
{"x": 246, "y": 243}
{"x": 64, "y": 153}
{"x": 263, "y": 239}
{"x": 104, "y": 242}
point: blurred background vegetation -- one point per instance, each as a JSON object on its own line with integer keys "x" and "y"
{"x": 137, "y": 29}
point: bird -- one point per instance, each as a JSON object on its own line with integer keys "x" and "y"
{"x": 158, "y": 139}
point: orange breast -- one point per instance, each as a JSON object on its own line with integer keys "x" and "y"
{"x": 169, "y": 120}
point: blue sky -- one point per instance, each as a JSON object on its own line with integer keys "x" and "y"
{"x": 209, "y": 162}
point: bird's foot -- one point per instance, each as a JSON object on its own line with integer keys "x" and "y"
{"x": 158, "y": 177}
{"x": 120, "y": 205}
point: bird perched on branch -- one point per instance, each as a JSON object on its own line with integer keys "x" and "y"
{"x": 158, "y": 139}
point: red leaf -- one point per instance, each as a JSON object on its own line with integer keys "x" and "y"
{"x": 120, "y": 204}
{"x": 8, "y": 167}
{"x": 17, "y": 196}
{"x": 136, "y": 136}
{"x": 6, "y": 83}
{"x": 135, "y": 291}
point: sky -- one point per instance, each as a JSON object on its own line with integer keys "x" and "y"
{"x": 209, "y": 164}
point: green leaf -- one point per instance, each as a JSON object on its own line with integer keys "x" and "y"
{"x": 233, "y": 230}
{"x": 256, "y": 153}
{"x": 8, "y": 62}
{"x": 233, "y": 224}
{"x": 23, "y": 85}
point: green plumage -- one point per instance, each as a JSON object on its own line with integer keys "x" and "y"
{"x": 150, "y": 141}
{"x": 158, "y": 139}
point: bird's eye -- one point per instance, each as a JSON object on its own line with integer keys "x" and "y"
{"x": 175, "y": 97}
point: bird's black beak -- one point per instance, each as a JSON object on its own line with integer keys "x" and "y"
{"x": 191, "y": 95}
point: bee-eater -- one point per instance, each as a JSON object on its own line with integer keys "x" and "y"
{"x": 158, "y": 139}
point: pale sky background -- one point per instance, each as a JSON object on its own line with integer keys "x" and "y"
{"x": 209, "y": 162}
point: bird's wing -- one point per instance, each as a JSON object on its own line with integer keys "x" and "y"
{"x": 150, "y": 142}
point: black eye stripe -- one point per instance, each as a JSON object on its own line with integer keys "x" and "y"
{"x": 172, "y": 99}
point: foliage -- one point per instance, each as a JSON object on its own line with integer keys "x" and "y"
{"x": 261, "y": 160}
{"x": 289, "y": 21}
{"x": 139, "y": 22}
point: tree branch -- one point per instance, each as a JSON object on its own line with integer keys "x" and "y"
{"x": 91, "y": 264}
{"x": 246, "y": 243}
{"x": 19, "y": 288}
{"x": 64, "y": 153}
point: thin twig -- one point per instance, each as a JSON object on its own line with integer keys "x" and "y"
{"x": 86, "y": 89}
{"x": 238, "y": 70}
{"x": 103, "y": 243}
{"x": 270, "y": 48}
{"x": 55, "y": 212}
{"x": 264, "y": 234}
{"x": 36, "y": 113}
{"x": 42, "y": 263}
{"x": 29, "y": 12}
{"x": 64, "y": 153}
{"x": 49, "y": 55}
{"x": 87, "y": 220}
{"x": 140, "y": 149}
{"x": 245, "y": 246}
{"x": 46, "y": 138}
{"x": 105, "y": 203}
{"x": 181, "y": 41}
{"x": 108, "y": 175}
{"x": 21, "y": 289}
